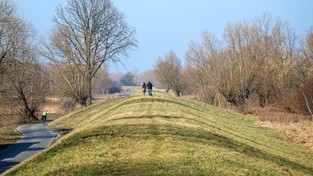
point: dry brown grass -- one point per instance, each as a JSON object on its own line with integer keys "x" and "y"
{"x": 294, "y": 126}
{"x": 8, "y": 120}
{"x": 65, "y": 105}
{"x": 8, "y": 136}
{"x": 271, "y": 113}
{"x": 276, "y": 115}
{"x": 300, "y": 132}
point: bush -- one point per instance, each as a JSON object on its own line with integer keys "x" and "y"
{"x": 68, "y": 105}
{"x": 115, "y": 87}
{"x": 305, "y": 96}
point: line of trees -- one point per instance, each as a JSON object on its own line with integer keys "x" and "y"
{"x": 86, "y": 35}
{"x": 262, "y": 59}
{"x": 22, "y": 80}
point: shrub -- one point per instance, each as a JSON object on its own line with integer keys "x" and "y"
{"x": 68, "y": 105}
{"x": 305, "y": 96}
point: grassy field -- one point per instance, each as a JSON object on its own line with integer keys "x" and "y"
{"x": 165, "y": 135}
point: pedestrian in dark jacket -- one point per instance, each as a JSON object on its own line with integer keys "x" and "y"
{"x": 144, "y": 88}
{"x": 149, "y": 86}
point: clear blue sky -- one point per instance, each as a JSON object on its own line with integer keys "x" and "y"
{"x": 164, "y": 25}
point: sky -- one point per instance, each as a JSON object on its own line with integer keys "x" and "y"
{"x": 171, "y": 25}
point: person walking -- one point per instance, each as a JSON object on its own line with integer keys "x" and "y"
{"x": 149, "y": 86}
{"x": 44, "y": 116}
{"x": 144, "y": 89}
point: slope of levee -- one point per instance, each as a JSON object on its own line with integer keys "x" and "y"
{"x": 165, "y": 135}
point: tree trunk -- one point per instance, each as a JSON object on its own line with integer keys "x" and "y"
{"x": 177, "y": 93}
{"x": 26, "y": 109}
{"x": 89, "y": 79}
{"x": 167, "y": 89}
{"x": 307, "y": 105}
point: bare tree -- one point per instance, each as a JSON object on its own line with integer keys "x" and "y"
{"x": 148, "y": 75}
{"x": 86, "y": 35}
{"x": 102, "y": 81}
{"x": 168, "y": 72}
{"x": 308, "y": 103}
{"x": 22, "y": 79}
{"x": 305, "y": 65}
{"x": 305, "y": 61}
{"x": 245, "y": 61}
{"x": 7, "y": 19}
{"x": 68, "y": 80}
{"x": 26, "y": 85}
{"x": 202, "y": 64}
{"x": 256, "y": 57}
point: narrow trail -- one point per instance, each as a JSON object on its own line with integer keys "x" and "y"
{"x": 35, "y": 138}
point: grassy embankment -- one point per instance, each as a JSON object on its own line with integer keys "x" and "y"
{"x": 165, "y": 135}
{"x": 8, "y": 135}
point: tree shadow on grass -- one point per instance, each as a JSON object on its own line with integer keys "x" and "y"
{"x": 193, "y": 135}
{"x": 151, "y": 100}
{"x": 146, "y": 116}
{"x": 133, "y": 167}
{"x": 152, "y": 166}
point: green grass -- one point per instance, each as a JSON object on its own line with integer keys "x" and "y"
{"x": 165, "y": 135}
